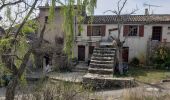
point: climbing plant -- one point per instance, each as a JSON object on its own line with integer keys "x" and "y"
{"x": 71, "y": 10}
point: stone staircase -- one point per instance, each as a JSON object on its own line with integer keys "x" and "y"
{"x": 100, "y": 72}
{"x": 102, "y": 61}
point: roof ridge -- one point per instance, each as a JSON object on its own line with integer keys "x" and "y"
{"x": 134, "y": 15}
{"x": 110, "y": 19}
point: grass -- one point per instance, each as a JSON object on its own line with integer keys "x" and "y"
{"x": 141, "y": 94}
{"x": 148, "y": 75}
{"x": 58, "y": 90}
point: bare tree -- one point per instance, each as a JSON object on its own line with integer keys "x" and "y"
{"x": 5, "y": 3}
{"x": 120, "y": 20}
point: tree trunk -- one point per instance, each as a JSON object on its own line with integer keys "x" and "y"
{"x": 120, "y": 61}
{"x": 10, "y": 91}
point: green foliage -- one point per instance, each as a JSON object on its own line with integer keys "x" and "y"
{"x": 27, "y": 30}
{"x": 69, "y": 12}
{"x": 5, "y": 43}
{"x": 52, "y": 11}
{"x": 68, "y": 26}
{"x": 22, "y": 47}
{"x": 30, "y": 27}
{"x": 161, "y": 58}
{"x": 91, "y": 5}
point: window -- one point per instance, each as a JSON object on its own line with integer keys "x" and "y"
{"x": 133, "y": 30}
{"x": 96, "y": 30}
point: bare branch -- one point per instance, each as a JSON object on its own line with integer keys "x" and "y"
{"x": 118, "y": 5}
{"x": 26, "y": 18}
{"x": 112, "y": 11}
{"x": 10, "y": 3}
{"x": 133, "y": 11}
{"x": 59, "y": 1}
{"x": 122, "y": 6}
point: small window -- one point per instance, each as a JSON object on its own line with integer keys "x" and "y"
{"x": 46, "y": 19}
{"x": 96, "y": 31}
{"x": 133, "y": 30}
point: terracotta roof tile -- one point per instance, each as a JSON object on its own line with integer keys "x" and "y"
{"x": 129, "y": 19}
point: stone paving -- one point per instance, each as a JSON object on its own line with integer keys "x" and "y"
{"x": 75, "y": 77}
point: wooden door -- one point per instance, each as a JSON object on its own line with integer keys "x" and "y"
{"x": 157, "y": 33}
{"x": 125, "y": 54}
{"x": 91, "y": 48}
{"x": 81, "y": 53}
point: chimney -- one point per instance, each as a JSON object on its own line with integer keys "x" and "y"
{"x": 146, "y": 11}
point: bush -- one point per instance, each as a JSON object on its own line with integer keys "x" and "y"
{"x": 135, "y": 62}
{"x": 56, "y": 91}
{"x": 161, "y": 58}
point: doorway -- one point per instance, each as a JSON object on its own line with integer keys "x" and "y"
{"x": 125, "y": 54}
{"x": 81, "y": 53}
{"x": 91, "y": 48}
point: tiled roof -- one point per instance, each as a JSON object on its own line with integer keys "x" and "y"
{"x": 129, "y": 19}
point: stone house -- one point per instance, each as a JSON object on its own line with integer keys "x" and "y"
{"x": 54, "y": 36}
{"x": 139, "y": 31}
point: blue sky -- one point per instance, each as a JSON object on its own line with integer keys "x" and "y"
{"x": 104, "y": 5}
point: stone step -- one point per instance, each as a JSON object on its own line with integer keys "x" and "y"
{"x": 101, "y": 66}
{"x": 97, "y": 81}
{"x": 80, "y": 68}
{"x": 103, "y": 51}
{"x": 103, "y": 55}
{"x": 100, "y": 71}
{"x": 105, "y": 48}
{"x": 102, "y": 58}
{"x": 102, "y": 62}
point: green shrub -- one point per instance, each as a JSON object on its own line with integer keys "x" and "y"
{"x": 135, "y": 61}
{"x": 161, "y": 58}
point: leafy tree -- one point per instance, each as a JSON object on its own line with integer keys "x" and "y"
{"x": 17, "y": 13}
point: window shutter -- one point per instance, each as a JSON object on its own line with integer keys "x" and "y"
{"x": 103, "y": 30}
{"x": 141, "y": 30}
{"x": 89, "y": 30}
{"x": 125, "y": 30}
